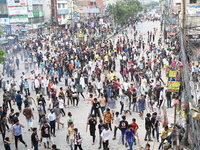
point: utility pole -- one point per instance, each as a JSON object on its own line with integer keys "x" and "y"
{"x": 183, "y": 18}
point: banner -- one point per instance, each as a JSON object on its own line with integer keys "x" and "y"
{"x": 14, "y": 3}
{"x": 174, "y": 81}
{"x": 30, "y": 5}
{"x": 13, "y": 11}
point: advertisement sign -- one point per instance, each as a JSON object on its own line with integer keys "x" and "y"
{"x": 37, "y": 1}
{"x": 30, "y": 14}
{"x": 63, "y": 11}
{"x": 34, "y": 36}
{"x": 91, "y": 10}
{"x": 13, "y": 11}
{"x": 30, "y": 4}
{"x": 174, "y": 81}
{"x": 4, "y": 20}
{"x": 14, "y": 3}
{"x": 18, "y": 20}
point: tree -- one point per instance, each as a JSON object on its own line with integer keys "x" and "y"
{"x": 2, "y": 53}
{"x": 151, "y": 5}
{"x": 123, "y": 10}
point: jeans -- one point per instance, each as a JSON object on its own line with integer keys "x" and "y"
{"x": 168, "y": 139}
{"x": 19, "y": 105}
{"x": 29, "y": 123}
{"x": 130, "y": 145}
{"x": 157, "y": 132}
{"x": 169, "y": 100}
{"x": 135, "y": 106}
{"x": 75, "y": 147}
{"x": 103, "y": 109}
{"x": 71, "y": 143}
{"x": 122, "y": 134}
{"x": 18, "y": 138}
{"x": 105, "y": 144}
{"x": 53, "y": 126}
{"x": 115, "y": 131}
{"x": 35, "y": 147}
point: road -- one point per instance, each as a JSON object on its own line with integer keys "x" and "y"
{"x": 80, "y": 116}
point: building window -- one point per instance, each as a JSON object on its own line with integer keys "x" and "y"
{"x": 64, "y": 16}
{"x": 59, "y": 6}
{"x": 63, "y": 5}
{"x": 193, "y": 1}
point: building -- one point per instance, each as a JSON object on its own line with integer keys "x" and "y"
{"x": 3, "y": 13}
{"x": 63, "y": 11}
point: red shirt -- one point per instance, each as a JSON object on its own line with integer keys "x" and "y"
{"x": 134, "y": 126}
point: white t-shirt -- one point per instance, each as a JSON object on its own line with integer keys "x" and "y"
{"x": 105, "y": 134}
{"x": 126, "y": 86}
{"x": 61, "y": 102}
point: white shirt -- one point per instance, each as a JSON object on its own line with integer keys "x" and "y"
{"x": 117, "y": 120}
{"x": 99, "y": 85}
{"x": 105, "y": 134}
{"x": 37, "y": 84}
{"x": 51, "y": 117}
{"x": 161, "y": 95}
{"x": 61, "y": 102}
{"x": 126, "y": 86}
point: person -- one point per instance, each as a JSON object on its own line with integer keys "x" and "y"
{"x": 105, "y": 136}
{"x": 70, "y": 135}
{"x": 108, "y": 118}
{"x": 18, "y": 99}
{"x": 3, "y": 126}
{"x": 77, "y": 139}
{"x": 45, "y": 134}
{"x": 34, "y": 139}
{"x": 102, "y": 101}
{"x": 100, "y": 127}
{"x": 164, "y": 136}
{"x": 147, "y": 146}
{"x": 40, "y": 110}
{"x": 117, "y": 120}
{"x": 96, "y": 106}
{"x": 58, "y": 113}
{"x": 129, "y": 136}
{"x": 7, "y": 143}
{"x": 155, "y": 124}
{"x": 17, "y": 133}
{"x": 69, "y": 119}
{"x": 52, "y": 121}
{"x": 141, "y": 104}
{"x": 134, "y": 126}
{"x": 61, "y": 104}
{"x": 148, "y": 126}
{"x": 27, "y": 112}
{"x": 123, "y": 126}
{"x": 54, "y": 147}
{"x": 92, "y": 122}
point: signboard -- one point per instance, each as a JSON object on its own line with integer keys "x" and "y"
{"x": 33, "y": 36}
{"x": 37, "y": 1}
{"x": 30, "y": 14}
{"x": 80, "y": 35}
{"x": 13, "y": 11}
{"x": 92, "y": 10}
{"x": 174, "y": 81}
{"x": 14, "y": 3}
{"x": 63, "y": 11}
{"x": 30, "y": 5}
{"x": 18, "y": 20}
{"x": 4, "y": 20}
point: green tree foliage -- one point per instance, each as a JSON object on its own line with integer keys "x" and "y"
{"x": 2, "y": 58}
{"x": 151, "y": 5}
{"x": 123, "y": 10}
{"x": 2, "y": 53}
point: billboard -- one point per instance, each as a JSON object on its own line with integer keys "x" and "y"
{"x": 18, "y": 19}
{"x": 174, "y": 81}
{"x": 13, "y": 11}
{"x": 30, "y": 4}
{"x": 14, "y": 3}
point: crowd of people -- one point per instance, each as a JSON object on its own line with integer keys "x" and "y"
{"x": 60, "y": 73}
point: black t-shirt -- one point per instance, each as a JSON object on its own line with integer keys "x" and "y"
{"x": 123, "y": 125}
{"x": 92, "y": 124}
{"x": 134, "y": 99}
{"x": 34, "y": 138}
{"x": 100, "y": 127}
{"x": 45, "y": 131}
{"x": 96, "y": 105}
{"x": 154, "y": 121}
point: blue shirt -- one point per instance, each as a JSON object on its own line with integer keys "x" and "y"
{"x": 129, "y": 135}
{"x": 141, "y": 101}
{"x": 17, "y": 129}
{"x": 18, "y": 98}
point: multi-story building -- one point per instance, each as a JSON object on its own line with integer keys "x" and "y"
{"x": 63, "y": 11}
{"x": 3, "y": 13}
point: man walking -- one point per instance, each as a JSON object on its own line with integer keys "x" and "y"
{"x": 92, "y": 123}
{"x": 105, "y": 136}
{"x": 123, "y": 126}
{"x": 34, "y": 139}
{"x": 17, "y": 133}
{"x": 52, "y": 122}
{"x": 77, "y": 139}
{"x": 27, "y": 112}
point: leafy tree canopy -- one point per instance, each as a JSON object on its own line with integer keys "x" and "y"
{"x": 123, "y": 10}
